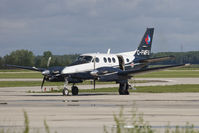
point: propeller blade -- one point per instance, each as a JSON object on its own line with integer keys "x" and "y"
{"x": 48, "y": 63}
{"x": 43, "y": 82}
{"x": 94, "y": 84}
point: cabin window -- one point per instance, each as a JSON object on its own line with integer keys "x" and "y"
{"x": 105, "y": 60}
{"x": 97, "y": 59}
{"x": 113, "y": 59}
{"x": 109, "y": 60}
{"x": 127, "y": 60}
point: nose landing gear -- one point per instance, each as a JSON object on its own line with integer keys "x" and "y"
{"x": 65, "y": 91}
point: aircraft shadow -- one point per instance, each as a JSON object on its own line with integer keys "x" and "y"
{"x": 80, "y": 94}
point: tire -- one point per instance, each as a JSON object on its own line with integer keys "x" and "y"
{"x": 65, "y": 92}
{"x": 127, "y": 89}
{"x": 123, "y": 89}
{"x": 75, "y": 90}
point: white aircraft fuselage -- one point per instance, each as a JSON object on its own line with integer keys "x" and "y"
{"x": 98, "y": 60}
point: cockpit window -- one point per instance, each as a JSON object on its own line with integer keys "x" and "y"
{"x": 82, "y": 60}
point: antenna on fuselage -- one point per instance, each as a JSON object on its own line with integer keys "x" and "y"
{"x": 109, "y": 51}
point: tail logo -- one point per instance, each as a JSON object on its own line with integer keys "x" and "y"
{"x": 148, "y": 39}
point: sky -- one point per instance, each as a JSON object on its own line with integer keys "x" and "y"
{"x": 86, "y": 26}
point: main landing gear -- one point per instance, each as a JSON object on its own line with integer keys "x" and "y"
{"x": 123, "y": 88}
{"x": 75, "y": 90}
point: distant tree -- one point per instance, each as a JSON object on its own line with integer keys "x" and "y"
{"x": 44, "y": 59}
{"x": 47, "y": 54}
{"x": 20, "y": 57}
{"x": 38, "y": 61}
{"x": 1, "y": 62}
{"x": 180, "y": 57}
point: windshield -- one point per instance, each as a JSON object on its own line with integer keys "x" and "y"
{"x": 82, "y": 60}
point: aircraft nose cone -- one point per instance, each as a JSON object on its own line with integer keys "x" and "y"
{"x": 46, "y": 72}
{"x": 94, "y": 72}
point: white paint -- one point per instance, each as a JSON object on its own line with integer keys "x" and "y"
{"x": 90, "y": 66}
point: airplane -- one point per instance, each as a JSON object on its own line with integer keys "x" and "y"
{"x": 105, "y": 67}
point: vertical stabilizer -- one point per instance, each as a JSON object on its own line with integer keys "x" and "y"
{"x": 144, "y": 48}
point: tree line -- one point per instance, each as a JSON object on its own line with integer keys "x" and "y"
{"x": 27, "y": 58}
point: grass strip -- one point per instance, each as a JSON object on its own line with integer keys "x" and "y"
{"x": 38, "y": 83}
{"x": 20, "y": 75}
{"x": 27, "y": 83}
{"x": 171, "y": 74}
{"x": 139, "y": 89}
{"x": 154, "y": 89}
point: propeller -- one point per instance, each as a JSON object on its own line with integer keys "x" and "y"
{"x": 42, "y": 84}
{"x": 48, "y": 63}
{"x": 46, "y": 72}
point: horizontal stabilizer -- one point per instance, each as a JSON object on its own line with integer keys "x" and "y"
{"x": 156, "y": 59}
{"x": 142, "y": 71}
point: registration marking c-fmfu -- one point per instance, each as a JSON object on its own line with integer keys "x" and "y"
{"x": 143, "y": 52}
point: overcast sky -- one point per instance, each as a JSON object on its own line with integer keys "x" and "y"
{"x": 81, "y": 26}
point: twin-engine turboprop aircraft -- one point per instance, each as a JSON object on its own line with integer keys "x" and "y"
{"x": 106, "y": 67}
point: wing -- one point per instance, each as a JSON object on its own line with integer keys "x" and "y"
{"x": 156, "y": 59}
{"x": 147, "y": 70}
{"x": 27, "y": 67}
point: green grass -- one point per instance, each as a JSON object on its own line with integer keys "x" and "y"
{"x": 168, "y": 88}
{"x": 38, "y": 83}
{"x": 20, "y": 75}
{"x": 154, "y": 89}
{"x": 15, "y": 70}
{"x": 27, "y": 83}
{"x": 190, "y": 67}
{"x": 170, "y": 74}
{"x": 140, "y": 89}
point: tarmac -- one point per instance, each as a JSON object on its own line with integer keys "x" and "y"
{"x": 90, "y": 112}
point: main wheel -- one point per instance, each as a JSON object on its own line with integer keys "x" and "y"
{"x": 127, "y": 89}
{"x": 75, "y": 90}
{"x": 123, "y": 89}
{"x": 65, "y": 91}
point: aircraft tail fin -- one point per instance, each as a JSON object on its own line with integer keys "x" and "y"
{"x": 144, "y": 48}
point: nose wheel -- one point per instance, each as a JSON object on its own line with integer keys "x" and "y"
{"x": 65, "y": 91}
